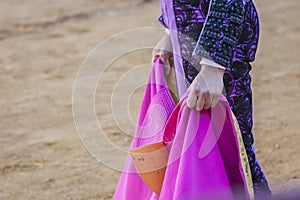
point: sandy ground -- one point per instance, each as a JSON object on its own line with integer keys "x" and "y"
{"x": 42, "y": 45}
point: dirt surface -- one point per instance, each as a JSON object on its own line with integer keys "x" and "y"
{"x": 43, "y": 44}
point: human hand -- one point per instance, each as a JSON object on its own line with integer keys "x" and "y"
{"x": 206, "y": 89}
{"x": 163, "y": 49}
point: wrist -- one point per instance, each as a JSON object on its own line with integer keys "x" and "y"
{"x": 166, "y": 35}
{"x": 208, "y": 70}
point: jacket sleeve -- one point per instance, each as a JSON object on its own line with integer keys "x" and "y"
{"x": 161, "y": 20}
{"x": 221, "y": 31}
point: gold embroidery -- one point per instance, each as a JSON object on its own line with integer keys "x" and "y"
{"x": 243, "y": 156}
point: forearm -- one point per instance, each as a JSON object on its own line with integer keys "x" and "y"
{"x": 221, "y": 31}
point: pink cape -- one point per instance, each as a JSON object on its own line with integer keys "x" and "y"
{"x": 206, "y": 161}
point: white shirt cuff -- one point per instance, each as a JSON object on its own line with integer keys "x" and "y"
{"x": 205, "y": 61}
{"x": 167, "y": 31}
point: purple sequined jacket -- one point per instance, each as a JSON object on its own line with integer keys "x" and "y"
{"x": 230, "y": 30}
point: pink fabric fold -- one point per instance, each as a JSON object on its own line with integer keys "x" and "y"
{"x": 204, "y": 161}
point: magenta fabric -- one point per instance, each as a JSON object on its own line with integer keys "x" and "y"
{"x": 204, "y": 161}
{"x": 157, "y": 105}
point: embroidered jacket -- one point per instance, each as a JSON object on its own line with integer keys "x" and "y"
{"x": 231, "y": 29}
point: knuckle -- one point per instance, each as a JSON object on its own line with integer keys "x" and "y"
{"x": 205, "y": 93}
{"x": 196, "y": 88}
{"x": 216, "y": 94}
